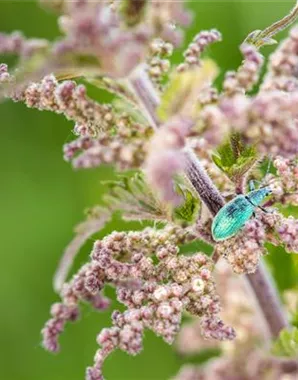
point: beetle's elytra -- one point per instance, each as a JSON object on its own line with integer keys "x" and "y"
{"x": 233, "y": 215}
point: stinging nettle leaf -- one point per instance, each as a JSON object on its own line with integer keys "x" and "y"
{"x": 116, "y": 87}
{"x": 181, "y": 95}
{"x": 188, "y": 211}
{"x": 235, "y": 158}
{"x": 133, "y": 196}
{"x": 287, "y": 343}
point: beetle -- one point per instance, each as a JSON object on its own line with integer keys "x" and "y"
{"x": 234, "y": 214}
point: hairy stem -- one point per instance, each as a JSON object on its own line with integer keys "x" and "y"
{"x": 258, "y": 38}
{"x": 266, "y": 295}
{"x": 260, "y": 282}
{"x": 202, "y": 183}
{"x": 146, "y": 94}
{"x": 282, "y": 24}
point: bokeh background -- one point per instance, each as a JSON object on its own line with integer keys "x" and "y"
{"x": 42, "y": 198}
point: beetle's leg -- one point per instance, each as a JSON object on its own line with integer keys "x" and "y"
{"x": 264, "y": 210}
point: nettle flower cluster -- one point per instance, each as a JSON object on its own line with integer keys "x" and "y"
{"x": 172, "y": 126}
{"x": 243, "y": 358}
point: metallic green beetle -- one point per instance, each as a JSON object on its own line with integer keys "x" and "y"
{"x": 233, "y": 215}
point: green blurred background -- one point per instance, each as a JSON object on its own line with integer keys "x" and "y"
{"x": 42, "y": 198}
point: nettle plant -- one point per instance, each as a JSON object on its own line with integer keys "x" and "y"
{"x": 185, "y": 149}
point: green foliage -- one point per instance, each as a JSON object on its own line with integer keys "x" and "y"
{"x": 288, "y": 277}
{"x": 235, "y": 158}
{"x": 133, "y": 196}
{"x": 114, "y": 87}
{"x": 294, "y": 319}
{"x": 294, "y": 305}
{"x": 188, "y": 211}
{"x": 258, "y": 39}
{"x": 180, "y": 97}
{"x": 124, "y": 105}
{"x": 287, "y": 343}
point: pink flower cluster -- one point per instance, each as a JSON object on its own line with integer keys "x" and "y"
{"x": 16, "y": 43}
{"x": 4, "y": 75}
{"x": 197, "y": 47}
{"x": 69, "y": 99}
{"x": 241, "y": 356}
{"x": 158, "y": 63}
{"x": 93, "y": 122}
{"x": 248, "y": 73}
{"x": 288, "y": 234}
{"x": 93, "y": 29}
{"x": 155, "y": 294}
{"x": 285, "y": 184}
{"x": 282, "y": 67}
{"x": 87, "y": 152}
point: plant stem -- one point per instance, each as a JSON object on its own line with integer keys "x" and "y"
{"x": 142, "y": 86}
{"x": 282, "y": 24}
{"x": 202, "y": 183}
{"x": 258, "y": 38}
{"x": 261, "y": 285}
{"x": 266, "y": 295}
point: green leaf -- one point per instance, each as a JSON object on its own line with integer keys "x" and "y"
{"x": 133, "y": 196}
{"x": 258, "y": 38}
{"x": 188, "y": 211}
{"x": 235, "y": 158}
{"x": 125, "y": 106}
{"x": 180, "y": 97}
{"x": 115, "y": 87}
{"x": 283, "y": 268}
{"x": 294, "y": 319}
{"x": 287, "y": 343}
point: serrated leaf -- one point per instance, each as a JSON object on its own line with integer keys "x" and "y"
{"x": 114, "y": 87}
{"x": 188, "y": 211}
{"x": 124, "y": 105}
{"x": 235, "y": 158}
{"x": 180, "y": 97}
{"x": 133, "y": 196}
{"x": 269, "y": 41}
{"x": 258, "y": 39}
{"x": 287, "y": 343}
